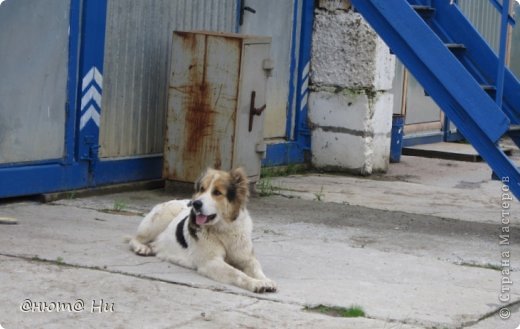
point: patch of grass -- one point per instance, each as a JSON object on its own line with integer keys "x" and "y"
{"x": 265, "y": 187}
{"x": 71, "y": 195}
{"x": 59, "y": 260}
{"x": 290, "y": 169}
{"x": 119, "y": 205}
{"x": 319, "y": 195}
{"x": 350, "y": 312}
{"x": 488, "y": 266}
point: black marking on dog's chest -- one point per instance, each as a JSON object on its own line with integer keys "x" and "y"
{"x": 193, "y": 227}
{"x": 179, "y": 233}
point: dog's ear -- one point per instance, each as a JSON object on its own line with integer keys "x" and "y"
{"x": 241, "y": 184}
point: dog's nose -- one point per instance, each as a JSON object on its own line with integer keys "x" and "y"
{"x": 197, "y": 204}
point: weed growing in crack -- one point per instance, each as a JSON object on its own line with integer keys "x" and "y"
{"x": 119, "y": 205}
{"x": 265, "y": 187}
{"x": 319, "y": 195}
{"x": 337, "y": 311}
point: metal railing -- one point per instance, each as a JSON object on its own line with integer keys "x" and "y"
{"x": 504, "y": 25}
{"x": 505, "y": 21}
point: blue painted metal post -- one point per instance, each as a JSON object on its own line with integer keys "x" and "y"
{"x": 294, "y": 151}
{"x": 502, "y": 52}
{"x": 91, "y": 75}
{"x": 302, "y": 132}
{"x": 289, "y": 125}
{"x": 72, "y": 82}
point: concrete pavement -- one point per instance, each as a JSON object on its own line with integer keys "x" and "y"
{"x": 406, "y": 267}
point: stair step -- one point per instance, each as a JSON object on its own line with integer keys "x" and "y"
{"x": 489, "y": 88}
{"x": 514, "y": 129}
{"x": 514, "y": 133}
{"x": 456, "y": 46}
{"x": 424, "y": 11}
{"x": 448, "y": 151}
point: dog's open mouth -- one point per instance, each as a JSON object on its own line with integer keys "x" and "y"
{"x": 201, "y": 219}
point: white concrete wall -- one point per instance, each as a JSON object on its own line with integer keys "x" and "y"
{"x": 350, "y": 105}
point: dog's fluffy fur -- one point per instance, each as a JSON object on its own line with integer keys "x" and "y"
{"x": 211, "y": 233}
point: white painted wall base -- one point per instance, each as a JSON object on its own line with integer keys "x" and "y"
{"x": 350, "y": 107}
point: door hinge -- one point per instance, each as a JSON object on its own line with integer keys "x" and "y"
{"x": 91, "y": 152}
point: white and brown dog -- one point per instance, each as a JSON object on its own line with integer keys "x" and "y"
{"x": 211, "y": 233}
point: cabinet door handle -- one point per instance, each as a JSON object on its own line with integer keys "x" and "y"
{"x": 253, "y": 110}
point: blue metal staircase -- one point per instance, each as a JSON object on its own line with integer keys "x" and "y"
{"x": 458, "y": 69}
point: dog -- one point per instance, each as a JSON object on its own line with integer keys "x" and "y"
{"x": 210, "y": 233}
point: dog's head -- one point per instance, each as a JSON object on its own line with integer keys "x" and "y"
{"x": 219, "y": 195}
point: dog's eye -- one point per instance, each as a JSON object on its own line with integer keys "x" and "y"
{"x": 216, "y": 192}
{"x": 201, "y": 189}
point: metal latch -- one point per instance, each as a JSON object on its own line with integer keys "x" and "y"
{"x": 244, "y": 8}
{"x": 253, "y": 110}
{"x": 261, "y": 148}
{"x": 268, "y": 66}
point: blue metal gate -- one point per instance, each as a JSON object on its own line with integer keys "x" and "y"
{"x": 77, "y": 162}
{"x": 79, "y": 165}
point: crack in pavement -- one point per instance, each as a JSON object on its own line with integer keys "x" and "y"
{"x": 256, "y": 299}
{"x": 489, "y": 314}
{"x": 144, "y": 277}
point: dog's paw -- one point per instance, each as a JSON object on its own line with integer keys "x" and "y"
{"x": 140, "y": 248}
{"x": 265, "y": 285}
{"x": 144, "y": 251}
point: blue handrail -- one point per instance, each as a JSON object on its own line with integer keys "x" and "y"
{"x": 504, "y": 25}
{"x": 499, "y": 7}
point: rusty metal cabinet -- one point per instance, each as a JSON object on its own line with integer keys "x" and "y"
{"x": 216, "y": 96}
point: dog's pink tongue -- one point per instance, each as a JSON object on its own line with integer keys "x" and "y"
{"x": 201, "y": 219}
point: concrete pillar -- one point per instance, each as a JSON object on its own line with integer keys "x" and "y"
{"x": 350, "y": 104}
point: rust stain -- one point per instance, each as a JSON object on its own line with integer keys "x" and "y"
{"x": 199, "y": 135}
{"x": 218, "y": 160}
{"x": 202, "y": 126}
{"x": 199, "y": 119}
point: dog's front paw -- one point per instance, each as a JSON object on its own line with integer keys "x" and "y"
{"x": 140, "y": 248}
{"x": 265, "y": 285}
{"x": 144, "y": 251}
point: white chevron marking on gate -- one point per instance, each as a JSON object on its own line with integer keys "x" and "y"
{"x": 305, "y": 86}
{"x": 90, "y": 114}
{"x": 93, "y": 74}
{"x": 92, "y": 93}
{"x": 306, "y": 69}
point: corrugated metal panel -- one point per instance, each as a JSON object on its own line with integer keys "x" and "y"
{"x": 138, "y": 38}
{"x": 485, "y": 18}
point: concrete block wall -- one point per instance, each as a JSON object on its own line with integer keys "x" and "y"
{"x": 350, "y": 104}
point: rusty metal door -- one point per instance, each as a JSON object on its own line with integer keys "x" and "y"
{"x": 209, "y": 122}
{"x": 201, "y": 117}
